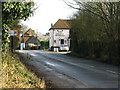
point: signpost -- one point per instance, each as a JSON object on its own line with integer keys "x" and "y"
{"x": 14, "y": 32}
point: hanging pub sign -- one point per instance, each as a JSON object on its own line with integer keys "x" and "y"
{"x": 15, "y": 32}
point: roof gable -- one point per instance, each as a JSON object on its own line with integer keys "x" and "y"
{"x": 29, "y": 32}
{"x": 25, "y": 39}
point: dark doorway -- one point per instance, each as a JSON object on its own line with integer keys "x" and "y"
{"x": 62, "y": 41}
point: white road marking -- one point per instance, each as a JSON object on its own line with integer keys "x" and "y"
{"x": 111, "y": 71}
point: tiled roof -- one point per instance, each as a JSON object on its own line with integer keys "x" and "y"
{"x": 33, "y": 39}
{"x": 26, "y": 38}
{"x": 61, "y": 24}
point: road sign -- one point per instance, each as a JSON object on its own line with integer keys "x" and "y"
{"x": 15, "y": 32}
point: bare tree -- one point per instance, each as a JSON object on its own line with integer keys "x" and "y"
{"x": 108, "y": 12}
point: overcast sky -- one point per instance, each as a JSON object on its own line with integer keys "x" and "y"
{"x": 49, "y": 11}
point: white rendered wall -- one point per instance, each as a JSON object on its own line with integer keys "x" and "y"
{"x": 58, "y": 34}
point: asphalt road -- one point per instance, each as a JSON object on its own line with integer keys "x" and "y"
{"x": 70, "y": 72}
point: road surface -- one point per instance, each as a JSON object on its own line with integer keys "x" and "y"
{"x": 70, "y": 72}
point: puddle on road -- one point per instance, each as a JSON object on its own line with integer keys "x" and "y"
{"x": 48, "y": 69}
{"x": 33, "y": 54}
{"x": 51, "y": 64}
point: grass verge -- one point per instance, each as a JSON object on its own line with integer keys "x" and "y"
{"x": 16, "y": 75}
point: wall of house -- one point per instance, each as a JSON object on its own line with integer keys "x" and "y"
{"x": 51, "y": 38}
{"x": 56, "y": 36}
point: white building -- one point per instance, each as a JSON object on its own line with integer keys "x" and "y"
{"x": 59, "y": 34}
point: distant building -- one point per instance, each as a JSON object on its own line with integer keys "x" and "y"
{"x": 59, "y": 34}
{"x": 29, "y": 40}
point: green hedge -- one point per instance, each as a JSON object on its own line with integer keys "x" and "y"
{"x": 106, "y": 51}
{"x": 44, "y": 44}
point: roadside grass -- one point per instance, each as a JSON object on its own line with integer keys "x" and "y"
{"x": 16, "y": 75}
{"x": 44, "y": 49}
